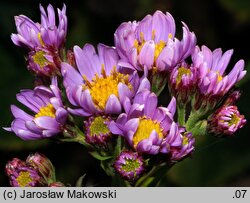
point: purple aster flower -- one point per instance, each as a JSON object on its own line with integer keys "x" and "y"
{"x": 43, "y": 165}
{"x": 21, "y": 175}
{"x": 182, "y": 82}
{"x": 187, "y": 147}
{"x": 49, "y": 115}
{"x": 226, "y": 121}
{"x": 214, "y": 83}
{"x": 151, "y": 43}
{"x": 45, "y": 34}
{"x": 97, "y": 131}
{"x": 129, "y": 165}
{"x": 146, "y": 127}
{"x": 98, "y": 87}
{"x": 44, "y": 40}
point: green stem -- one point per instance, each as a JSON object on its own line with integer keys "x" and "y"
{"x": 117, "y": 181}
{"x": 153, "y": 176}
{"x": 181, "y": 109}
{"x": 80, "y": 138}
{"x": 194, "y": 118}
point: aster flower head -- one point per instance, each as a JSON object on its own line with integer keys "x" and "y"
{"x": 98, "y": 87}
{"x": 226, "y": 121}
{"x": 182, "y": 82}
{"x": 21, "y": 175}
{"x": 144, "y": 125}
{"x": 214, "y": 82}
{"x": 44, "y": 40}
{"x": 129, "y": 165}
{"x": 151, "y": 43}
{"x": 44, "y": 62}
{"x": 177, "y": 153}
{"x": 45, "y": 34}
{"x": 43, "y": 165}
{"x": 97, "y": 131}
{"x": 48, "y": 114}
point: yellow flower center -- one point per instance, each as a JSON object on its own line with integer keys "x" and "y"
{"x": 145, "y": 128}
{"x": 182, "y": 71}
{"x": 219, "y": 76}
{"x": 40, "y": 59}
{"x": 48, "y": 110}
{"x": 158, "y": 47}
{"x": 130, "y": 165}
{"x": 24, "y": 179}
{"x": 234, "y": 120}
{"x": 184, "y": 141}
{"x": 102, "y": 87}
{"x": 98, "y": 126}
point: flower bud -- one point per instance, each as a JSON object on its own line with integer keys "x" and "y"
{"x": 226, "y": 121}
{"x": 12, "y": 165}
{"x": 44, "y": 62}
{"x": 43, "y": 165}
{"x": 129, "y": 165}
{"x": 182, "y": 82}
{"x": 21, "y": 175}
{"x": 187, "y": 147}
{"x": 97, "y": 131}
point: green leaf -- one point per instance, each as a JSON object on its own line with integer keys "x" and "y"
{"x": 107, "y": 167}
{"x": 79, "y": 182}
{"x": 118, "y": 147}
{"x": 100, "y": 157}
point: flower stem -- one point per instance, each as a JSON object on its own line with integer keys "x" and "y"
{"x": 181, "y": 109}
{"x": 153, "y": 176}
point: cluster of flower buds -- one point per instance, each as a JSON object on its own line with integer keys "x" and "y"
{"x": 37, "y": 170}
{"x": 114, "y": 90}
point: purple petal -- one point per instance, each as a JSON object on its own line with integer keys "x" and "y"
{"x": 79, "y": 112}
{"x": 145, "y": 84}
{"x": 108, "y": 56}
{"x": 27, "y": 135}
{"x": 172, "y": 106}
{"x": 70, "y": 75}
{"x": 146, "y": 56}
{"x": 136, "y": 110}
{"x": 83, "y": 65}
{"x": 56, "y": 102}
{"x": 87, "y": 103}
{"x": 224, "y": 61}
{"x": 124, "y": 92}
{"x": 162, "y": 25}
{"x": 132, "y": 125}
{"x": 27, "y": 98}
{"x": 144, "y": 146}
{"x": 47, "y": 122}
{"x": 61, "y": 115}
{"x": 150, "y": 105}
{"x": 50, "y": 133}
{"x": 18, "y": 113}
{"x": 30, "y": 125}
{"x": 113, "y": 105}
{"x": 113, "y": 127}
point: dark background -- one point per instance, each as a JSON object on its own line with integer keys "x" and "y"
{"x": 221, "y": 23}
